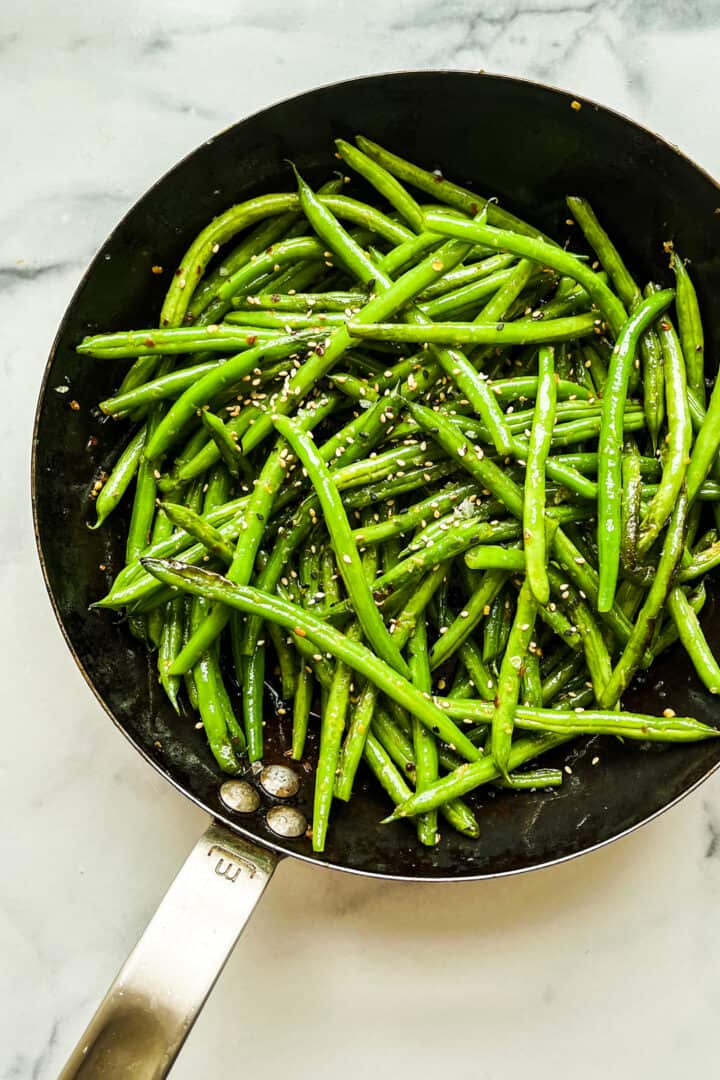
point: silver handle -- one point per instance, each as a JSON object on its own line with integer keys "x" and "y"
{"x": 147, "y": 1014}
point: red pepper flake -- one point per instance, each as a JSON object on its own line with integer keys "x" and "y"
{"x": 251, "y": 339}
{"x": 157, "y": 269}
{"x": 75, "y": 405}
{"x": 149, "y": 343}
{"x": 299, "y": 631}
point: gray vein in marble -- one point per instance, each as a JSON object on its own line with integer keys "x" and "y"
{"x": 712, "y": 829}
{"x": 11, "y": 276}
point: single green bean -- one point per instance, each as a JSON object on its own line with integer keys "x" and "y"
{"x": 534, "y": 536}
{"x": 693, "y": 639}
{"x": 119, "y": 479}
{"x": 508, "y": 689}
{"x": 692, "y": 337}
{"x": 610, "y": 442}
{"x": 520, "y": 332}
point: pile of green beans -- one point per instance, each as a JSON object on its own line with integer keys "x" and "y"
{"x": 398, "y": 460}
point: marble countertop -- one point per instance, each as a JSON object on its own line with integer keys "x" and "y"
{"x": 608, "y": 965}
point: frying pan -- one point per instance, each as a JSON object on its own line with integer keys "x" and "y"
{"x": 514, "y": 139}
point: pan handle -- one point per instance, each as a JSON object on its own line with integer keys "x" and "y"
{"x": 147, "y": 1014}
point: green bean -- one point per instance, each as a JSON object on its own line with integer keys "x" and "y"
{"x": 331, "y": 731}
{"x": 302, "y": 702}
{"x": 605, "y": 250}
{"x": 668, "y": 635}
{"x": 560, "y": 676}
{"x": 522, "y": 386}
{"x": 596, "y": 366}
{"x": 597, "y": 657}
{"x": 170, "y": 642}
{"x": 384, "y": 182}
{"x": 679, "y": 439}
{"x": 253, "y": 677}
{"x": 509, "y": 678}
{"x": 173, "y": 341}
{"x": 188, "y": 611}
{"x": 610, "y": 442}
{"x": 468, "y": 777}
{"x": 705, "y": 451}
{"x": 119, "y": 479}
{"x": 700, "y": 564}
{"x": 302, "y": 624}
{"x": 213, "y": 715}
{"x": 228, "y": 447}
{"x": 534, "y": 490}
{"x": 495, "y": 557}
{"x": 626, "y": 725}
{"x": 531, "y": 682}
{"x": 286, "y": 662}
{"x": 426, "y": 754}
{"x": 303, "y": 303}
{"x": 199, "y": 528}
{"x": 644, "y": 625}
{"x": 693, "y": 639}
{"x": 481, "y": 678}
{"x": 143, "y": 509}
{"x": 346, "y": 553}
{"x": 533, "y": 780}
{"x": 692, "y": 337}
{"x": 520, "y": 332}
{"x": 235, "y": 732}
{"x": 159, "y": 389}
{"x": 630, "y": 507}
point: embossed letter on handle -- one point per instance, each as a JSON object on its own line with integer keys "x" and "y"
{"x": 149, "y": 1010}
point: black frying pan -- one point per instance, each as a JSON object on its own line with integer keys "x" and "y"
{"x": 517, "y": 140}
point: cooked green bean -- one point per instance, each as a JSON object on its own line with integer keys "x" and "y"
{"x": 426, "y": 754}
{"x": 693, "y": 639}
{"x": 534, "y": 489}
{"x": 692, "y": 337}
{"x": 508, "y": 689}
{"x": 120, "y": 478}
{"x": 610, "y": 442}
{"x": 520, "y": 332}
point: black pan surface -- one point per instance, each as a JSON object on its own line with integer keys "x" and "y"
{"x": 519, "y": 141}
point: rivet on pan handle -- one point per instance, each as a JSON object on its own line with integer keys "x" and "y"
{"x": 149, "y": 1010}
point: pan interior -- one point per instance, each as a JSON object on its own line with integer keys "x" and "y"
{"x": 644, "y": 191}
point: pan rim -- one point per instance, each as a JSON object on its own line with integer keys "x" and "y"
{"x": 278, "y": 848}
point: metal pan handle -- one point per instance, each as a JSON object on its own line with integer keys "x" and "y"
{"x": 148, "y": 1012}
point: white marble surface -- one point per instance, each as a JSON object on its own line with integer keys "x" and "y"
{"x": 604, "y": 966}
